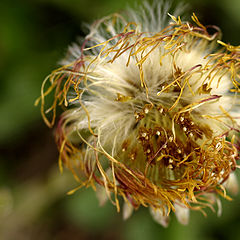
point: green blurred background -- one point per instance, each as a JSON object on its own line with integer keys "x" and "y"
{"x": 34, "y": 35}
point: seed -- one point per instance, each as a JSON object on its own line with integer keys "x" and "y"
{"x": 218, "y": 146}
{"x": 170, "y": 166}
{"x": 144, "y": 134}
{"x": 181, "y": 119}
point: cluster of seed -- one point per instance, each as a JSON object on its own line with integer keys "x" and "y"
{"x": 191, "y": 129}
{"x": 155, "y": 144}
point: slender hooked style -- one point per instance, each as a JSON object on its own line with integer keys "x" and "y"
{"x": 150, "y": 112}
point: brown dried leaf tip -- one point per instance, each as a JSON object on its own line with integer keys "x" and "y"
{"x": 150, "y": 115}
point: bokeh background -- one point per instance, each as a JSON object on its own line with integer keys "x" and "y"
{"x": 34, "y": 35}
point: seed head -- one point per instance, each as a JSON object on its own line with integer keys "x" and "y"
{"x": 149, "y": 113}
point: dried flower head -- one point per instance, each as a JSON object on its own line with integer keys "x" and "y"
{"x": 149, "y": 112}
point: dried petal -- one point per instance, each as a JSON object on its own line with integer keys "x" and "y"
{"x": 219, "y": 205}
{"x": 182, "y": 213}
{"x": 101, "y": 195}
{"x": 127, "y": 210}
{"x": 159, "y": 216}
{"x": 231, "y": 183}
